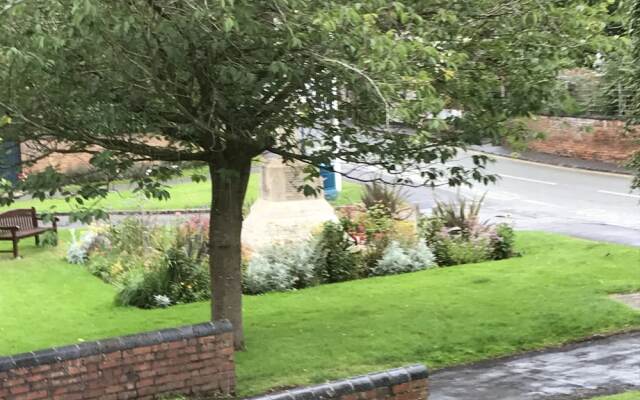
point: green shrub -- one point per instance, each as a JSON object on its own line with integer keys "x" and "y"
{"x": 138, "y": 288}
{"x": 49, "y": 239}
{"x": 397, "y": 260}
{"x": 460, "y": 250}
{"x": 185, "y": 279}
{"x": 456, "y": 235}
{"x": 179, "y": 278}
{"x": 503, "y": 242}
{"x": 389, "y": 198}
{"x": 372, "y": 252}
{"x": 334, "y": 258}
{"x": 101, "y": 266}
{"x": 460, "y": 217}
{"x": 279, "y": 267}
{"x": 266, "y": 275}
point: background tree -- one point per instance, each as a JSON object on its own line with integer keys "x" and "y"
{"x": 632, "y": 81}
{"x": 222, "y": 81}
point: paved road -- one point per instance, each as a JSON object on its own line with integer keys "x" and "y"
{"x": 582, "y": 203}
{"x": 601, "y": 367}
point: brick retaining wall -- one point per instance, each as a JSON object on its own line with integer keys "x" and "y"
{"x": 191, "y": 360}
{"x": 584, "y": 138}
{"x": 409, "y": 383}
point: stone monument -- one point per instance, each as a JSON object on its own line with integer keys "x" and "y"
{"x": 283, "y": 213}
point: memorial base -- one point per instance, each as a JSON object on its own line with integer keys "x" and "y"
{"x": 271, "y": 222}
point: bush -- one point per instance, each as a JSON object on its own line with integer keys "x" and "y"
{"x": 397, "y": 260}
{"x": 460, "y": 250}
{"x": 389, "y": 198}
{"x": 503, "y": 242}
{"x": 460, "y": 217}
{"x": 264, "y": 275}
{"x": 185, "y": 279}
{"x": 90, "y": 241}
{"x": 177, "y": 280}
{"x": 421, "y": 256}
{"x": 49, "y": 239}
{"x": 280, "y": 267}
{"x": 456, "y": 236}
{"x": 138, "y": 288}
{"x": 334, "y": 257}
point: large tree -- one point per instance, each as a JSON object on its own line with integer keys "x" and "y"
{"x": 631, "y": 80}
{"x": 222, "y": 81}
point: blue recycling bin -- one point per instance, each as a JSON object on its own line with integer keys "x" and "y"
{"x": 329, "y": 183}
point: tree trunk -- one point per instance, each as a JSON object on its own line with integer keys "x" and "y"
{"x": 229, "y": 177}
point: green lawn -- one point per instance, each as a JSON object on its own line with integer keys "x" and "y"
{"x": 556, "y": 292}
{"x": 183, "y": 195}
{"x": 624, "y": 396}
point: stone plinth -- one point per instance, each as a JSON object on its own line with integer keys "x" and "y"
{"x": 281, "y": 182}
{"x": 283, "y": 213}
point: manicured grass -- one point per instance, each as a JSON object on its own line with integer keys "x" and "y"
{"x": 555, "y": 293}
{"x": 183, "y": 196}
{"x": 623, "y": 396}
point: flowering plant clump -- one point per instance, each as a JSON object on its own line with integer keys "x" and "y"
{"x": 89, "y": 241}
{"x": 456, "y": 235}
{"x": 150, "y": 264}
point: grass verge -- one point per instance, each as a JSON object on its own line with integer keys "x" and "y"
{"x": 184, "y": 195}
{"x": 556, "y": 292}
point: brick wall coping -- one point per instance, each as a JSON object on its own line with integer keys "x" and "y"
{"x": 344, "y": 387}
{"x": 56, "y": 354}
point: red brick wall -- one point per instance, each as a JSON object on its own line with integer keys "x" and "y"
{"x": 192, "y": 360}
{"x": 409, "y": 383}
{"x": 588, "y": 139}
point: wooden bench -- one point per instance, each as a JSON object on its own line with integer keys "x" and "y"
{"x": 22, "y": 223}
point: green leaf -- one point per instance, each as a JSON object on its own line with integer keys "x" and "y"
{"x": 5, "y": 120}
{"x": 229, "y": 24}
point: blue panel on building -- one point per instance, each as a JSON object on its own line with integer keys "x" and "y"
{"x": 10, "y": 160}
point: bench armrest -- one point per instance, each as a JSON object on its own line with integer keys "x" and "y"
{"x": 12, "y": 229}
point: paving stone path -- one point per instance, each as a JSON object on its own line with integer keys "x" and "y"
{"x": 578, "y": 371}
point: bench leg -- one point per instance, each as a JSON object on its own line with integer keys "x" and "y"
{"x": 37, "y": 240}
{"x": 15, "y": 248}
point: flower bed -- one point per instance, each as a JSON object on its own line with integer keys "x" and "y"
{"x": 151, "y": 265}
{"x": 158, "y": 266}
{"x": 378, "y": 239}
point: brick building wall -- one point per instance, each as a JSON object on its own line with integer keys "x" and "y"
{"x": 584, "y": 138}
{"x": 409, "y": 383}
{"x": 191, "y": 360}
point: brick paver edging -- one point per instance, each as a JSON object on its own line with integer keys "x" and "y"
{"x": 408, "y": 383}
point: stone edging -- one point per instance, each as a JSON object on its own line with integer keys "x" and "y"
{"x": 86, "y": 349}
{"x": 344, "y": 387}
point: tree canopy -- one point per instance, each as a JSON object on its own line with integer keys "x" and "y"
{"x": 221, "y": 81}
{"x": 633, "y": 81}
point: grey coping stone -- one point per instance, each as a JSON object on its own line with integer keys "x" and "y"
{"x": 333, "y": 390}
